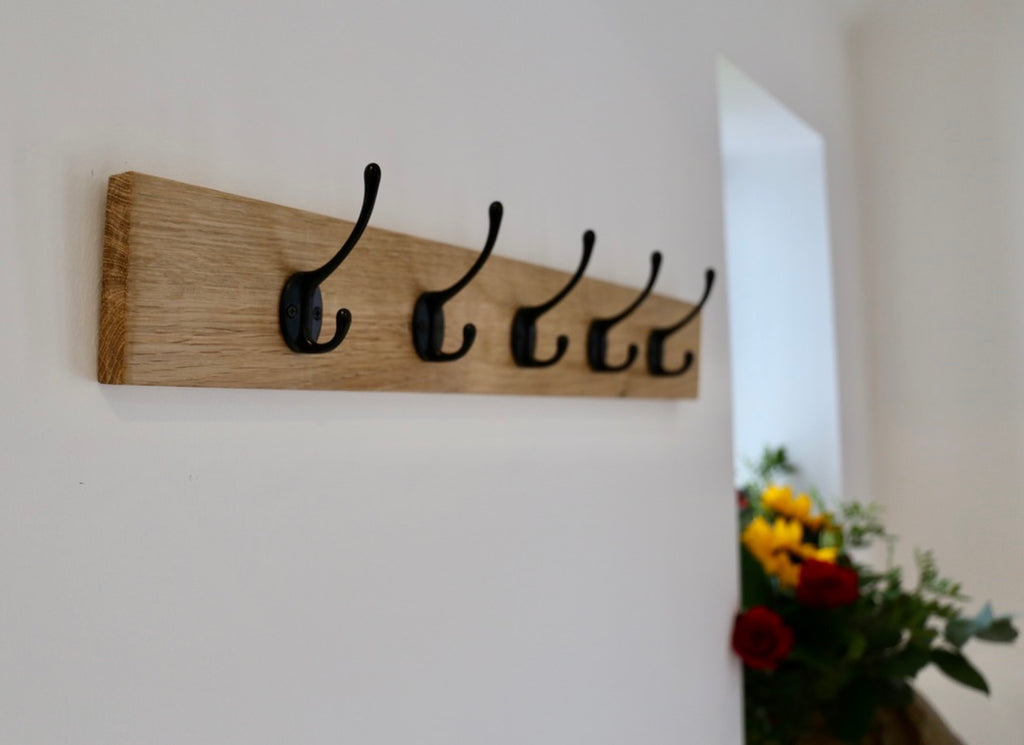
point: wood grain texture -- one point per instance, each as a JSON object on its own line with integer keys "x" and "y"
{"x": 114, "y": 293}
{"x": 192, "y": 279}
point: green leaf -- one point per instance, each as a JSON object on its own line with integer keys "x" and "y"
{"x": 807, "y": 656}
{"x": 959, "y": 631}
{"x": 884, "y": 637}
{"x": 755, "y": 585}
{"x": 984, "y": 617}
{"x": 858, "y": 645}
{"x": 907, "y": 663}
{"x": 956, "y": 666}
{"x": 1000, "y": 630}
{"x": 983, "y": 626}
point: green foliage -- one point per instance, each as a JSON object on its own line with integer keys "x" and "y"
{"x": 956, "y": 666}
{"x": 984, "y": 626}
{"x": 774, "y": 462}
{"x": 930, "y": 581}
{"x": 1001, "y": 630}
{"x": 755, "y": 585}
{"x": 847, "y": 662}
{"x": 862, "y": 524}
{"x": 852, "y": 720}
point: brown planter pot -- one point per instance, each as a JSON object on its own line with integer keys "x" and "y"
{"x": 918, "y": 724}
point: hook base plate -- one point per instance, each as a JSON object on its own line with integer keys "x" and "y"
{"x": 291, "y": 311}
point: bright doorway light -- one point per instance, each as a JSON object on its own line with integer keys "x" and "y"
{"x": 779, "y": 273}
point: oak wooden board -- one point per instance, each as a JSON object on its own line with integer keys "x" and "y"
{"x": 192, "y": 279}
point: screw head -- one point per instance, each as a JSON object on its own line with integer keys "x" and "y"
{"x": 291, "y": 311}
{"x": 318, "y": 313}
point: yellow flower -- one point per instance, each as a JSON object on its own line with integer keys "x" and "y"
{"x": 789, "y": 573}
{"x": 780, "y": 499}
{"x": 763, "y": 540}
{"x": 757, "y": 537}
{"x": 776, "y": 497}
{"x": 778, "y": 547}
{"x": 810, "y": 551}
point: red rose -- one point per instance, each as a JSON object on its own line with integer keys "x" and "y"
{"x": 825, "y": 585}
{"x": 761, "y": 639}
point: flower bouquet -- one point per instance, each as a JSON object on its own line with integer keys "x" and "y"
{"x": 829, "y": 644}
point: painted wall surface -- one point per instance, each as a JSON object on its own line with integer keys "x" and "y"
{"x": 225, "y": 566}
{"x": 942, "y": 112}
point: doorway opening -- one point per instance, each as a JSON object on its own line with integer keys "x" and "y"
{"x": 779, "y": 273}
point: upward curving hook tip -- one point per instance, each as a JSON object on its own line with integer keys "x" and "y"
{"x": 300, "y": 306}
{"x": 496, "y": 211}
{"x": 371, "y": 176}
{"x": 428, "y": 312}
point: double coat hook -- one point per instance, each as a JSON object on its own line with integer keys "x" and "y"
{"x": 524, "y": 323}
{"x": 301, "y": 309}
{"x": 656, "y": 340}
{"x": 428, "y": 313}
{"x": 597, "y": 337}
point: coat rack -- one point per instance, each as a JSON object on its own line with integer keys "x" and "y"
{"x": 203, "y": 288}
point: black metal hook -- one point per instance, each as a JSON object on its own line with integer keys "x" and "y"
{"x": 428, "y": 313}
{"x": 301, "y": 309}
{"x": 597, "y": 337}
{"x": 656, "y": 340}
{"x": 524, "y": 323}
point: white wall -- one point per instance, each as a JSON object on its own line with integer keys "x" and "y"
{"x": 779, "y": 261}
{"x": 942, "y": 113}
{"x": 260, "y": 567}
